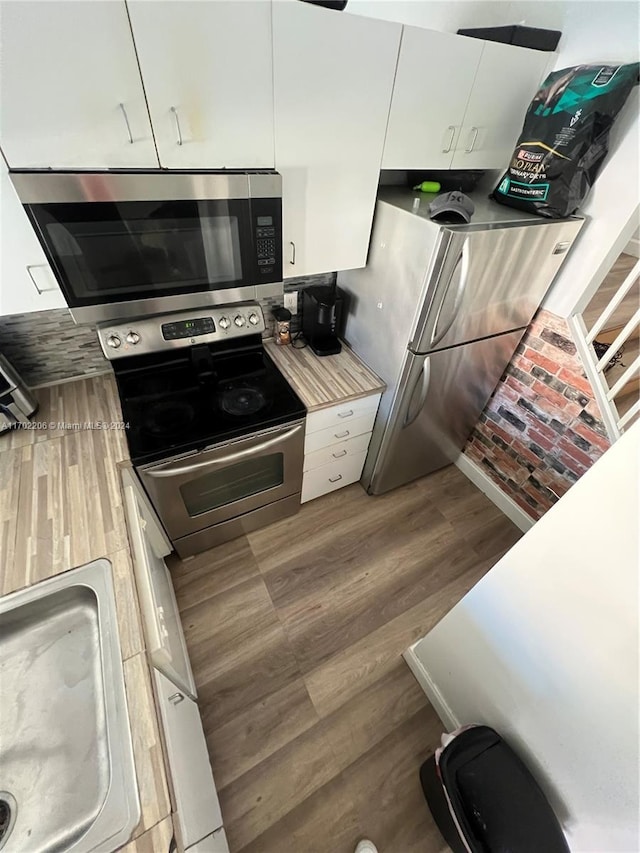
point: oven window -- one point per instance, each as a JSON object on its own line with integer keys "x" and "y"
{"x": 233, "y": 483}
{"x": 111, "y": 251}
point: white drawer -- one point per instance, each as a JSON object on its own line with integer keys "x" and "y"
{"x": 328, "y": 478}
{"x": 339, "y": 415}
{"x": 343, "y": 450}
{"x": 339, "y": 433}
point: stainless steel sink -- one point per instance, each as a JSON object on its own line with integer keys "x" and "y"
{"x": 67, "y": 777}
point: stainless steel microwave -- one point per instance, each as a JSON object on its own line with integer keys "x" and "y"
{"x": 125, "y": 244}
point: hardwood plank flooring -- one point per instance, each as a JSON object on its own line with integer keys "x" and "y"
{"x": 315, "y": 726}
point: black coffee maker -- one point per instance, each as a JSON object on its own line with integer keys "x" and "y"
{"x": 321, "y": 316}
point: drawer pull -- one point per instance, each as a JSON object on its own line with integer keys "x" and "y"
{"x": 335, "y": 479}
{"x": 341, "y": 434}
{"x": 338, "y": 455}
{"x": 176, "y": 698}
{"x": 345, "y": 414}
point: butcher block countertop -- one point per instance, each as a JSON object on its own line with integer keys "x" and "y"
{"x": 325, "y": 381}
{"x": 60, "y": 507}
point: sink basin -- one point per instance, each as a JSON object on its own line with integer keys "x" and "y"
{"x": 67, "y": 777}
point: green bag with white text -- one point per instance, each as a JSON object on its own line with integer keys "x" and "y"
{"x": 565, "y": 138}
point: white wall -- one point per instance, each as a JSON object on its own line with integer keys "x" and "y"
{"x": 451, "y": 15}
{"x": 602, "y": 32}
{"x": 545, "y": 649}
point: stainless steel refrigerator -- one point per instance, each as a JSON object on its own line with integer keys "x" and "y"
{"x": 438, "y": 312}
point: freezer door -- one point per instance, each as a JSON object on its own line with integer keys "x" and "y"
{"x": 487, "y": 281}
{"x": 438, "y": 403}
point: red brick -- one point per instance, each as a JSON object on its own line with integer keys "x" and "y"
{"x": 549, "y": 394}
{"x": 527, "y": 507}
{"x": 570, "y": 463}
{"x": 540, "y": 440}
{"x": 542, "y": 361}
{"x": 520, "y": 389}
{"x": 559, "y": 356}
{"x": 523, "y": 451}
{"x": 545, "y": 430}
{"x": 575, "y": 452}
{"x": 576, "y": 381}
{"x": 501, "y": 433}
{"x": 590, "y": 436}
{"x": 505, "y": 391}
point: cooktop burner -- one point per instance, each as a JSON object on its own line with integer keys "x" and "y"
{"x": 245, "y": 400}
{"x": 187, "y": 399}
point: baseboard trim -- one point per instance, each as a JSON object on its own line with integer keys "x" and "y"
{"x": 449, "y": 720}
{"x": 495, "y": 494}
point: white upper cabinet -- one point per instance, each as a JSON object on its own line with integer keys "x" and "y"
{"x": 71, "y": 92}
{"x": 459, "y": 102}
{"x": 333, "y": 77}
{"x": 207, "y": 71}
{"x": 26, "y": 281}
{"x": 508, "y": 78}
{"x": 433, "y": 81}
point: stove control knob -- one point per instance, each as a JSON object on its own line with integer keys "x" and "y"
{"x": 254, "y": 319}
{"x": 133, "y": 338}
{"x": 239, "y": 320}
{"x": 224, "y": 322}
{"x": 113, "y": 341}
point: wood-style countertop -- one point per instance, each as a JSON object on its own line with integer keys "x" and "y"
{"x": 61, "y": 506}
{"x": 326, "y": 381}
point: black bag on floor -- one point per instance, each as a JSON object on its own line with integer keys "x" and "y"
{"x": 565, "y": 138}
{"x": 485, "y": 800}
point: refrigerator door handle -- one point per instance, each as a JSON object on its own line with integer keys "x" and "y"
{"x": 462, "y": 264}
{"x": 423, "y": 381}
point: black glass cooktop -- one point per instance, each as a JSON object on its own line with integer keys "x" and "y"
{"x": 192, "y": 398}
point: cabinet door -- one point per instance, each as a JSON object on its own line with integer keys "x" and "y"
{"x": 333, "y": 76}
{"x": 432, "y": 86}
{"x": 26, "y": 281}
{"x": 197, "y": 805}
{"x": 72, "y": 95}
{"x": 207, "y": 72}
{"x": 508, "y": 78}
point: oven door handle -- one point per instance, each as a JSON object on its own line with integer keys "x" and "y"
{"x": 230, "y": 457}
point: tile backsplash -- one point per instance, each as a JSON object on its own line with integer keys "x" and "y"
{"x": 47, "y": 346}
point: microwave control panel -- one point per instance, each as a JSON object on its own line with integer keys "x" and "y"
{"x": 265, "y": 243}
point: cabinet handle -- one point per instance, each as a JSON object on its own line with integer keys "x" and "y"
{"x": 338, "y": 455}
{"x": 40, "y": 290}
{"x": 335, "y": 479}
{"x": 293, "y": 253}
{"x": 176, "y": 698}
{"x": 452, "y": 131}
{"x": 474, "y": 136}
{"x": 341, "y": 434}
{"x": 178, "y": 129}
{"x": 126, "y": 121}
{"x": 345, "y": 414}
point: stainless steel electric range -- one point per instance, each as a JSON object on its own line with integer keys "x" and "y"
{"x": 215, "y": 432}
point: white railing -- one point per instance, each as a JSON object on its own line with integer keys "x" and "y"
{"x": 595, "y": 367}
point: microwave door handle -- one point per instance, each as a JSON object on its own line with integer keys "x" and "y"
{"x": 223, "y": 460}
{"x": 438, "y": 334}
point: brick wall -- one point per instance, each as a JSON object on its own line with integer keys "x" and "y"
{"x": 542, "y": 428}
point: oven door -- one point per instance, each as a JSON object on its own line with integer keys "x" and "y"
{"x": 123, "y": 245}
{"x": 219, "y": 483}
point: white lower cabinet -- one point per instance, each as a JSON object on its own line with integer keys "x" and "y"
{"x": 197, "y": 808}
{"x": 335, "y": 446}
{"x": 336, "y": 452}
{"x": 214, "y": 843}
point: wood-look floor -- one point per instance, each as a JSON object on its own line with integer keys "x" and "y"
{"x": 315, "y": 726}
